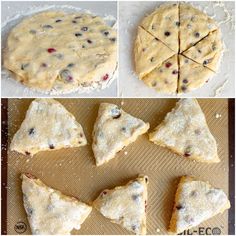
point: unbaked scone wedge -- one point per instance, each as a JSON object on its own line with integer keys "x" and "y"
{"x": 208, "y": 51}
{"x": 192, "y": 75}
{"x": 113, "y": 130}
{"x": 47, "y": 126}
{"x": 185, "y": 132}
{"x": 195, "y": 202}
{"x": 194, "y": 26}
{"x": 164, "y": 79}
{"x": 50, "y": 212}
{"x": 163, "y": 23}
{"x": 126, "y": 205}
{"x": 149, "y": 52}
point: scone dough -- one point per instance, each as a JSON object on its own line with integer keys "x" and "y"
{"x": 50, "y": 212}
{"x": 55, "y": 50}
{"x": 47, "y": 126}
{"x": 164, "y": 79}
{"x": 208, "y": 51}
{"x": 185, "y": 132}
{"x": 114, "y": 129}
{"x": 192, "y": 75}
{"x": 183, "y": 32}
{"x": 149, "y": 52}
{"x": 194, "y": 26}
{"x": 163, "y": 23}
{"x": 195, "y": 202}
{"x": 126, "y": 205}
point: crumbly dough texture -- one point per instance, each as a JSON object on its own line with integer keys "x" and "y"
{"x": 195, "y": 202}
{"x": 185, "y": 32}
{"x": 50, "y": 212}
{"x": 59, "y": 51}
{"x": 185, "y": 132}
{"x": 47, "y": 126}
{"x": 192, "y": 75}
{"x": 208, "y": 51}
{"x": 114, "y": 129}
{"x": 126, "y": 205}
{"x": 163, "y": 23}
{"x": 164, "y": 78}
{"x": 149, "y": 52}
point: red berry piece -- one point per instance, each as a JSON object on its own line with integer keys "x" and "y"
{"x": 168, "y": 64}
{"x": 105, "y": 77}
{"x": 174, "y": 72}
{"x": 51, "y": 50}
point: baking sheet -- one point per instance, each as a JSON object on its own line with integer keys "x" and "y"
{"x": 131, "y": 14}
{"x": 12, "y": 14}
{"x": 73, "y": 171}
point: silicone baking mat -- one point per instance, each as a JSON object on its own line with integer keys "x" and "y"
{"x": 73, "y": 171}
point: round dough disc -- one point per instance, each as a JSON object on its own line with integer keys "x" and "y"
{"x": 58, "y": 51}
{"x": 183, "y": 34}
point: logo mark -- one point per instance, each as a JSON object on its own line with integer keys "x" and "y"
{"x": 216, "y": 231}
{"x": 203, "y": 231}
{"x": 20, "y": 227}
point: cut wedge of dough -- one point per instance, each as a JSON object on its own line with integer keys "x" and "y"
{"x": 149, "y": 52}
{"x": 185, "y": 132}
{"x": 164, "y": 79}
{"x": 47, "y": 126}
{"x": 194, "y": 25}
{"x": 208, "y": 51}
{"x": 163, "y": 23}
{"x": 195, "y": 202}
{"x": 126, "y": 205}
{"x": 192, "y": 75}
{"x": 49, "y": 211}
{"x": 113, "y": 130}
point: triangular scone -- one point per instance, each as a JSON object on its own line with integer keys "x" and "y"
{"x": 163, "y": 23}
{"x": 149, "y": 52}
{"x": 208, "y": 51}
{"x": 113, "y": 130}
{"x": 164, "y": 79}
{"x": 185, "y": 132}
{"x": 192, "y": 75}
{"x": 126, "y": 205}
{"x": 49, "y": 211}
{"x": 194, "y": 25}
{"x": 195, "y": 202}
{"x": 47, "y": 126}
